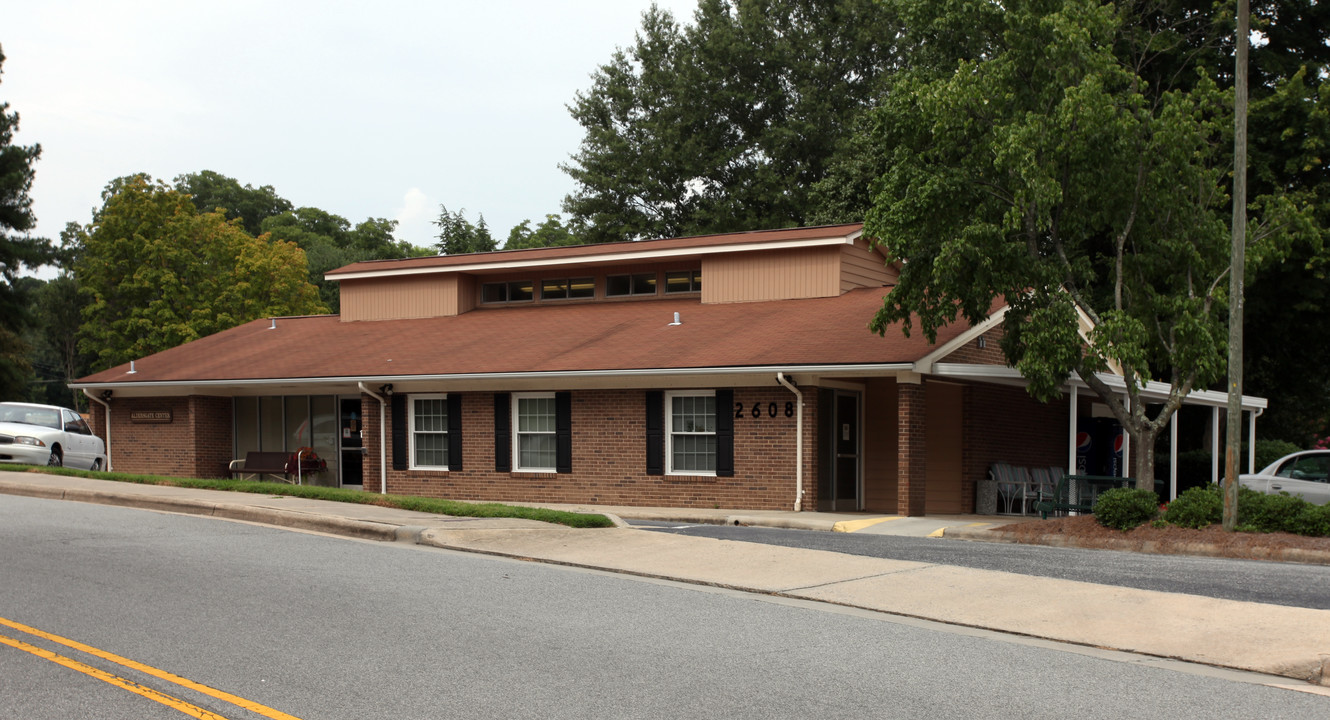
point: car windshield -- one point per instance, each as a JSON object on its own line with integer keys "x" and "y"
{"x": 27, "y": 415}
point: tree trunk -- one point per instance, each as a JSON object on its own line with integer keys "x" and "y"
{"x": 1143, "y": 457}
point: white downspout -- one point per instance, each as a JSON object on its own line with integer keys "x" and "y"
{"x": 1251, "y": 442}
{"x": 383, "y": 435}
{"x": 106, "y": 405}
{"x": 798, "y": 442}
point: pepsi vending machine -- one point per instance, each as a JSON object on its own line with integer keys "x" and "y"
{"x": 1099, "y": 447}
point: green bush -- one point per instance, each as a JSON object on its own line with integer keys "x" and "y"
{"x": 1268, "y": 451}
{"x": 1124, "y": 509}
{"x": 1272, "y": 513}
{"x": 1258, "y": 512}
{"x": 1197, "y": 507}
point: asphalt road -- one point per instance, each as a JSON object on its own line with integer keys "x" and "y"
{"x": 322, "y": 627}
{"x": 1254, "y": 581}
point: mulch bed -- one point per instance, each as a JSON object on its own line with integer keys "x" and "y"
{"x": 1085, "y": 532}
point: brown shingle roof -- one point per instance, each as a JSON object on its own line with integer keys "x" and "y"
{"x": 600, "y": 336}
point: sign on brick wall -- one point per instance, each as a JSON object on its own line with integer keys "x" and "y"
{"x": 150, "y": 416}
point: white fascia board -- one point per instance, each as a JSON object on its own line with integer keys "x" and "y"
{"x": 613, "y": 258}
{"x": 925, "y": 364}
{"x": 855, "y": 370}
{"x": 1158, "y": 391}
{"x": 1153, "y": 391}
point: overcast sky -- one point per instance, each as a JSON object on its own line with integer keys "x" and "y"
{"x": 363, "y": 109}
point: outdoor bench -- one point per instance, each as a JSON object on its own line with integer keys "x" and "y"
{"x": 1077, "y": 493}
{"x": 257, "y": 464}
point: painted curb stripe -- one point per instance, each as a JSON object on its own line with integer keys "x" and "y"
{"x": 849, "y": 526}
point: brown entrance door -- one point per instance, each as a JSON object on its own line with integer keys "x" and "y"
{"x": 349, "y": 432}
{"x": 840, "y": 450}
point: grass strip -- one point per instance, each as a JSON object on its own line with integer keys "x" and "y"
{"x": 316, "y": 492}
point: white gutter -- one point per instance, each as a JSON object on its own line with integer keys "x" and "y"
{"x": 798, "y": 442}
{"x": 855, "y": 369}
{"x": 383, "y": 435}
{"x": 106, "y": 405}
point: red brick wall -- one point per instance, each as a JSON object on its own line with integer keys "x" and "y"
{"x": 609, "y": 457}
{"x": 1005, "y": 425}
{"x": 971, "y": 353}
{"x": 196, "y": 443}
{"x": 911, "y": 457}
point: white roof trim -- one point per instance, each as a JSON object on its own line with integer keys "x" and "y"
{"x": 875, "y": 369}
{"x": 1154, "y": 391}
{"x": 610, "y": 258}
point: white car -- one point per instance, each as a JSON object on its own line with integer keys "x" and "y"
{"x": 48, "y": 435}
{"x": 1305, "y": 474}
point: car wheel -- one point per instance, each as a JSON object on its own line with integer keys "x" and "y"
{"x": 55, "y": 460}
{"x": 97, "y": 465}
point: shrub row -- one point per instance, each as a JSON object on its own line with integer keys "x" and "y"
{"x": 1201, "y": 507}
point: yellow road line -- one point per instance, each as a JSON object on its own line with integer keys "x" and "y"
{"x": 130, "y": 685}
{"x": 856, "y": 525}
{"x": 160, "y": 674}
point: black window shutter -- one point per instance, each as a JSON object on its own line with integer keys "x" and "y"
{"x": 563, "y": 432}
{"x": 503, "y": 439}
{"x": 399, "y": 433}
{"x": 724, "y": 433}
{"x": 454, "y": 432}
{"x": 655, "y": 432}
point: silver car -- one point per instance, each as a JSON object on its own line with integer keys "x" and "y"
{"x": 1305, "y": 474}
{"x": 48, "y": 435}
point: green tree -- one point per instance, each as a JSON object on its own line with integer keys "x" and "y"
{"x": 158, "y": 273}
{"x": 56, "y": 359}
{"x": 1043, "y": 169}
{"x": 17, "y": 250}
{"x": 550, "y": 233}
{"x": 727, "y": 123}
{"x": 330, "y": 242}
{"x": 212, "y": 191}
{"x": 457, "y": 236}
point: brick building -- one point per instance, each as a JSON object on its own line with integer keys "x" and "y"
{"x": 731, "y": 371}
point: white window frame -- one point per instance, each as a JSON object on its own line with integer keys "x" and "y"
{"x": 411, "y": 428}
{"x": 517, "y": 433}
{"x": 670, "y": 433}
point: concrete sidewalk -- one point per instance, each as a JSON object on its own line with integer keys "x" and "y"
{"x": 1272, "y": 639}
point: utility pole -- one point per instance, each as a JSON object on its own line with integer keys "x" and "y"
{"x": 1233, "y": 445}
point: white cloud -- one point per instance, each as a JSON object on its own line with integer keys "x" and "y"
{"x": 415, "y": 218}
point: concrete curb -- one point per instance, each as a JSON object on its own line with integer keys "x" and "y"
{"x": 1290, "y": 555}
{"x": 363, "y": 529}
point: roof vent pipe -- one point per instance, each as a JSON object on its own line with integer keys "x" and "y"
{"x": 273, "y": 326}
{"x": 131, "y": 368}
{"x": 676, "y": 320}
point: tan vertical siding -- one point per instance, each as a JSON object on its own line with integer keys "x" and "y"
{"x": 778, "y": 275}
{"x": 863, "y": 266}
{"x": 468, "y": 294}
{"x": 399, "y": 298}
{"x": 945, "y": 449}
{"x": 880, "y": 447}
